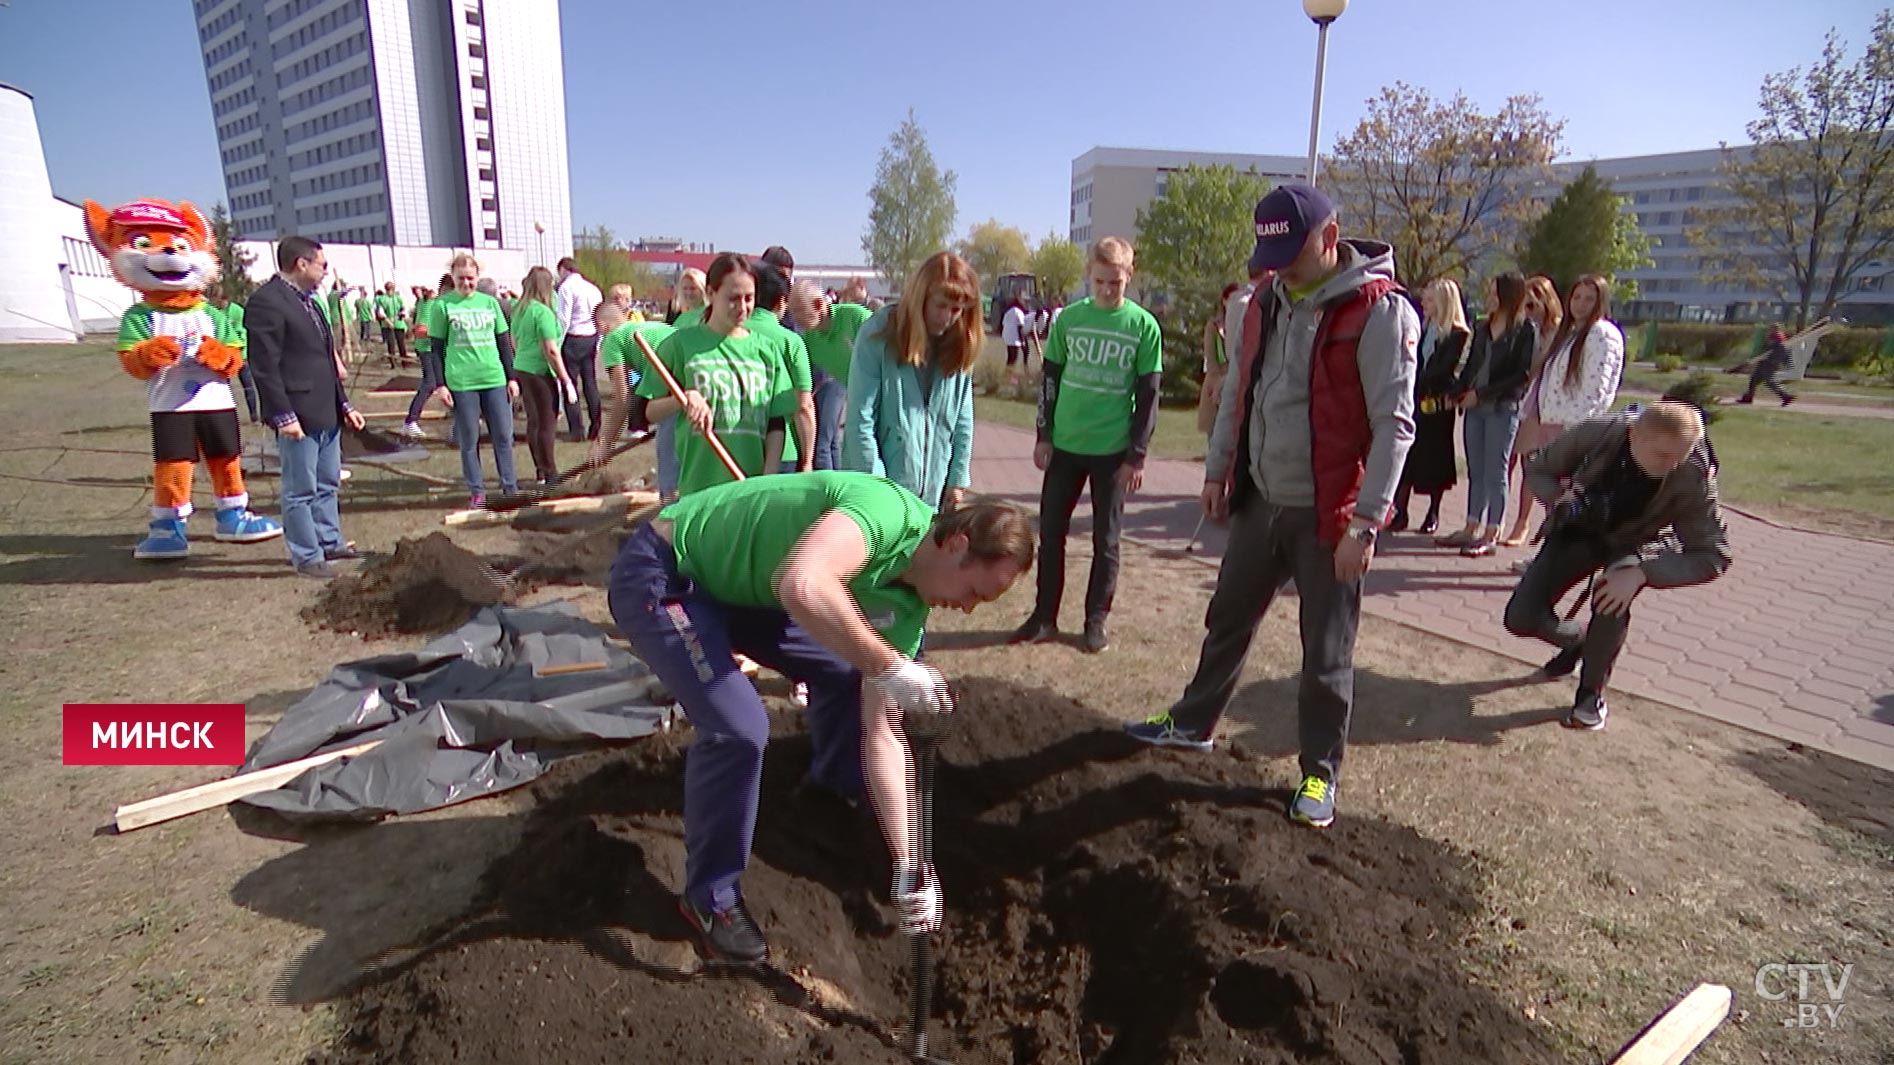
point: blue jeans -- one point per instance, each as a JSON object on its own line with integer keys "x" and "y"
{"x": 429, "y": 382}
{"x": 493, "y": 405}
{"x": 1490, "y": 429}
{"x": 668, "y": 469}
{"x": 689, "y": 641}
{"x": 831, "y": 403}
{"x": 312, "y": 474}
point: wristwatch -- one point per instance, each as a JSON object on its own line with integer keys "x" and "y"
{"x": 1366, "y": 534}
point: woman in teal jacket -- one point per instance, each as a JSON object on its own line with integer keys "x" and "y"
{"x": 910, "y": 385}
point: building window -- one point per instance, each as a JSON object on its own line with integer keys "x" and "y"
{"x": 477, "y": 50}
{"x": 486, "y": 173}
{"x": 489, "y": 205}
{"x": 481, "y": 114}
{"x": 473, "y": 18}
{"x": 484, "y": 144}
{"x": 479, "y": 81}
{"x": 493, "y": 234}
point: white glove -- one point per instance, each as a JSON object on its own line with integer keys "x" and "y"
{"x": 916, "y": 894}
{"x": 915, "y": 688}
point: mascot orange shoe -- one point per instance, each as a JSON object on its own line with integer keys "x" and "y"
{"x": 186, "y": 352}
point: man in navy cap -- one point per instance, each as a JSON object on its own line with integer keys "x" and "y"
{"x": 1311, "y": 432}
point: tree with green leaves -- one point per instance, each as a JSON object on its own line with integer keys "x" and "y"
{"x": 1192, "y": 241}
{"x": 1059, "y": 265}
{"x": 233, "y": 275}
{"x": 1816, "y": 190}
{"x": 911, "y": 205}
{"x": 1440, "y": 179}
{"x": 1586, "y": 230}
{"x": 604, "y": 262}
{"x": 993, "y": 249}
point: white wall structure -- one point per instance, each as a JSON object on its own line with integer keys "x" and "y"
{"x": 33, "y": 305}
{"x": 374, "y": 265}
{"x": 411, "y": 122}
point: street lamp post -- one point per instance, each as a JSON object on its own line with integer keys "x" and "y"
{"x": 540, "y": 228}
{"x": 1323, "y": 12}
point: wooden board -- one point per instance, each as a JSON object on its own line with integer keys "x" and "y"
{"x": 1680, "y": 1030}
{"x": 217, "y": 793}
{"x": 481, "y": 517}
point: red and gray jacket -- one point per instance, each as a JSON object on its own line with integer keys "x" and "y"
{"x": 1358, "y": 431}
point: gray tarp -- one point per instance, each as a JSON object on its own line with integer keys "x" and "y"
{"x": 466, "y": 716}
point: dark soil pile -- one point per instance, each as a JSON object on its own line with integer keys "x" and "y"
{"x": 583, "y": 557}
{"x": 1105, "y": 903}
{"x": 427, "y": 585}
{"x": 595, "y": 483}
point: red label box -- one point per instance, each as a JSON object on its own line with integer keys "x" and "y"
{"x": 153, "y": 733}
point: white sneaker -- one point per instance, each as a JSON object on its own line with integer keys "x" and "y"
{"x": 413, "y": 431}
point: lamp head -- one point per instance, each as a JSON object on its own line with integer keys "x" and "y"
{"x": 1324, "y": 11}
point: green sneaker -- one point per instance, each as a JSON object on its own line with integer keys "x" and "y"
{"x": 1314, "y": 804}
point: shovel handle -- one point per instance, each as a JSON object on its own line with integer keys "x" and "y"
{"x": 677, "y": 393}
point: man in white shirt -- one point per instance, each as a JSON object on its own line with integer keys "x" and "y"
{"x": 1013, "y": 329}
{"x": 578, "y": 300}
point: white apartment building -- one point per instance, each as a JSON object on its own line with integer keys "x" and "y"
{"x": 407, "y": 122}
{"x": 1110, "y": 185}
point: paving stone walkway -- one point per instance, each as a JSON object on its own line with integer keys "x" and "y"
{"x": 1796, "y": 641}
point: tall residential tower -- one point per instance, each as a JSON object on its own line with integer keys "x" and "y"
{"x": 410, "y": 122}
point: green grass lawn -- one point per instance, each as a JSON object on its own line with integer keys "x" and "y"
{"x": 1729, "y": 386}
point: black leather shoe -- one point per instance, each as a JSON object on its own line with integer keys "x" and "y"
{"x": 1034, "y": 631}
{"x": 1399, "y": 524}
{"x": 1430, "y": 524}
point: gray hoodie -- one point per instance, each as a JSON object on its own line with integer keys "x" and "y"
{"x": 1279, "y": 443}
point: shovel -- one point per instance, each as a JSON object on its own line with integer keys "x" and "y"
{"x": 527, "y": 499}
{"x": 923, "y": 731}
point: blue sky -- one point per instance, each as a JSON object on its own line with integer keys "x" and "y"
{"x": 747, "y": 124}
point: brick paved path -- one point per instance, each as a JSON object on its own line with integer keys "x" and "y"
{"x": 1803, "y": 651}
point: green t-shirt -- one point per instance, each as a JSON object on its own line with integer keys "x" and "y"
{"x": 1103, "y": 353}
{"x": 469, "y": 325}
{"x": 390, "y": 308}
{"x": 732, "y": 539}
{"x": 334, "y": 304}
{"x": 832, "y": 347}
{"x": 420, "y": 313}
{"x": 746, "y": 383}
{"x": 618, "y": 347}
{"x": 762, "y": 321}
{"x": 534, "y": 322}
{"x": 694, "y": 316}
{"x": 365, "y": 309}
{"x": 233, "y": 317}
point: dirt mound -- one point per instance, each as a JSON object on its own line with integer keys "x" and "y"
{"x": 1105, "y": 903}
{"x": 571, "y": 557}
{"x": 595, "y": 483}
{"x": 427, "y": 585}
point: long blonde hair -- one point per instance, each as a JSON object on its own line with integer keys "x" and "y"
{"x": 537, "y": 287}
{"x": 906, "y": 331}
{"x": 1552, "y": 312}
{"x": 1446, "y": 299}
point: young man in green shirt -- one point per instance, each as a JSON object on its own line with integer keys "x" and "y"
{"x": 829, "y": 331}
{"x": 826, "y": 578}
{"x": 1103, "y": 363}
{"x": 392, "y": 313}
{"x": 772, "y": 299}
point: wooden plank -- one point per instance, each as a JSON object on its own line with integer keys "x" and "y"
{"x": 481, "y": 517}
{"x": 1680, "y": 1030}
{"x": 570, "y": 667}
{"x": 217, "y": 793}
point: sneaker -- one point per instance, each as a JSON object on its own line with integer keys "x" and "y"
{"x": 240, "y": 525}
{"x": 1035, "y": 631}
{"x": 725, "y": 935}
{"x": 319, "y": 571}
{"x": 476, "y": 501}
{"x": 413, "y": 431}
{"x": 1096, "y": 637}
{"x": 1588, "y": 712}
{"x": 164, "y": 538}
{"x": 345, "y": 553}
{"x": 1746, "y": 401}
{"x": 1786, "y": 400}
{"x": 1564, "y": 662}
{"x": 799, "y": 695}
{"x": 1159, "y": 730}
{"x": 1314, "y": 804}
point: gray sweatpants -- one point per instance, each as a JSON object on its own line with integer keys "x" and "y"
{"x": 1268, "y": 547}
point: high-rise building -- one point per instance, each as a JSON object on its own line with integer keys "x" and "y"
{"x": 409, "y": 122}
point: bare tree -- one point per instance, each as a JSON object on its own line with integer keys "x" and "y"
{"x": 1441, "y": 181}
{"x": 1816, "y": 192}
